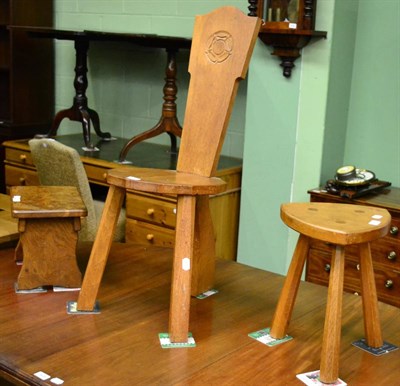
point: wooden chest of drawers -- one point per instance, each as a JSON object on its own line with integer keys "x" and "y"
{"x": 150, "y": 218}
{"x": 385, "y": 251}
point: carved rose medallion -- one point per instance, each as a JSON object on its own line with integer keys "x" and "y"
{"x": 219, "y": 47}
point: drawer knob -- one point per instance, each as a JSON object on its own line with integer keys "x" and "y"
{"x": 105, "y": 176}
{"x": 392, "y": 255}
{"x": 22, "y": 181}
{"x": 150, "y": 237}
{"x": 389, "y": 283}
{"x": 327, "y": 267}
{"x": 150, "y": 211}
{"x": 394, "y": 231}
{"x": 22, "y": 157}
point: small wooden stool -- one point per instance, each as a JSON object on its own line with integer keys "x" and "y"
{"x": 340, "y": 225}
{"x": 48, "y": 222}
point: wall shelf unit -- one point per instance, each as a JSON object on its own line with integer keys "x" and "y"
{"x": 288, "y": 26}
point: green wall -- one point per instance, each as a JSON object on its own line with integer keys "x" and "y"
{"x": 339, "y": 90}
{"x": 340, "y": 106}
{"x": 373, "y": 129}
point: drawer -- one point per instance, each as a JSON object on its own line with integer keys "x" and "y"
{"x": 140, "y": 232}
{"x": 96, "y": 174}
{"x": 394, "y": 231}
{"x": 384, "y": 252}
{"x": 152, "y": 209}
{"x": 388, "y": 286}
{"x": 19, "y": 157}
{"x": 318, "y": 269}
{"x": 387, "y": 253}
{"x": 387, "y": 281}
{"x": 18, "y": 176}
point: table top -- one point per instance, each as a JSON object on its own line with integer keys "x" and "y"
{"x": 388, "y": 198}
{"x": 146, "y": 40}
{"x": 46, "y": 202}
{"x": 144, "y": 154}
{"x": 120, "y": 346}
{"x": 8, "y": 225}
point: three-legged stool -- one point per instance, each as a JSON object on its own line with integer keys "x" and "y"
{"x": 339, "y": 225}
{"x": 49, "y": 218}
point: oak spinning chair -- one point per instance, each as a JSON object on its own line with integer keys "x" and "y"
{"x": 223, "y": 41}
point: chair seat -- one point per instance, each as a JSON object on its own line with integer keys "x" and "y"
{"x": 341, "y": 224}
{"x": 164, "y": 181}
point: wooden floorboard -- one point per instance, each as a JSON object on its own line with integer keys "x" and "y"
{"x": 120, "y": 346}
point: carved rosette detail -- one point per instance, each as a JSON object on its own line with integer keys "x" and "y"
{"x": 219, "y": 47}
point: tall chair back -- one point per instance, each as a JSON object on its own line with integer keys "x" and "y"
{"x": 219, "y": 59}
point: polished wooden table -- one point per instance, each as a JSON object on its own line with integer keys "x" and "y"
{"x": 120, "y": 346}
{"x": 8, "y": 226}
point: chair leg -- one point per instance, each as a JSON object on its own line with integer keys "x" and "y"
{"x": 101, "y": 249}
{"x": 182, "y": 270}
{"x": 204, "y": 248}
{"x": 369, "y": 298}
{"x": 329, "y": 369}
{"x": 287, "y": 298}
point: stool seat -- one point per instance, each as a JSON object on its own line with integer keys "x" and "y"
{"x": 339, "y": 225}
{"x": 342, "y": 224}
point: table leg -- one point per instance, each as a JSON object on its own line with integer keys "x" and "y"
{"x": 79, "y": 111}
{"x": 168, "y": 122}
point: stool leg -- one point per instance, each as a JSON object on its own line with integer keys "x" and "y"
{"x": 369, "y": 298}
{"x": 284, "y": 309}
{"x": 329, "y": 368}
